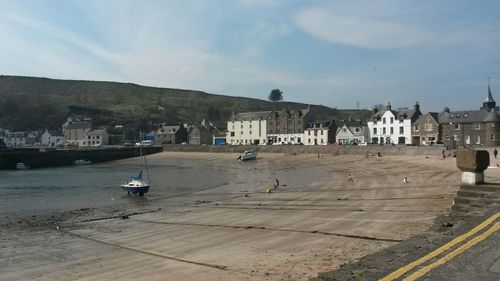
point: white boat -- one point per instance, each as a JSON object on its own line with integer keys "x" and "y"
{"x": 82, "y": 162}
{"x": 22, "y": 166}
{"x": 136, "y": 184}
{"x": 248, "y": 155}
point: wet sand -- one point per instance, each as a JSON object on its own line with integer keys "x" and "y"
{"x": 316, "y": 221}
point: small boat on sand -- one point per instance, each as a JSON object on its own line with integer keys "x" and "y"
{"x": 22, "y": 166}
{"x": 248, "y": 155}
{"x": 82, "y": 162}
{"x": 136, "y": 184}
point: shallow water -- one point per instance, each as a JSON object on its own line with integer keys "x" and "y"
{"x": 42, "y": 191}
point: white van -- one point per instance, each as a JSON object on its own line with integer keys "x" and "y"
{"x": 144, "y": 143}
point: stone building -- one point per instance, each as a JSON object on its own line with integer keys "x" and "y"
{"x": 171, "y": 134}
{"x": 426, "y": 130}
{"x": 75, "y": 131}
{"x": 472, "y": 127}
{"x": 287, "y": 126}
{"x": 200, "y": 135}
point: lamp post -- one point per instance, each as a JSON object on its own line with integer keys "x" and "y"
{"x": 451, "y": 140}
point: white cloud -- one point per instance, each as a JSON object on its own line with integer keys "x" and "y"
{"x": 363, "y": 32}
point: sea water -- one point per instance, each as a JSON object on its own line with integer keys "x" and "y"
{"x": 43, "y": 191}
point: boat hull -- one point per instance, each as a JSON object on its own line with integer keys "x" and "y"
{"x": 135, "y": 190}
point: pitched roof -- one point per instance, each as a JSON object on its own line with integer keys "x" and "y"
{"x": 468, "y": 116}
{"x": 423, "y": 117}
{"x": 79, "y": 125}
{"x": 55, "y": 133}
{"x": 256, "y": 115}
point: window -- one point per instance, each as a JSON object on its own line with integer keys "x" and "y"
{"x": 383, "y": 131}
{"x": 250, "y": 132}
{"x": 321, "y": 132}
{"x": 428, "y": 127}
{"x": 456, "y": 126}
{"x": 477, "y": 126}
{"x": 467, "y": 139}
{"x": 392, "y": 130}
{"x": 374, "y": 131}
{"x": 250, "y": 126}
{"x": 392, "y": 120}
{"x": 478, "y": 140}
{"x": 465, "y": 115}
{"x": 232, "y": 134}
{"x": 415, "y": 127}
{"x": 457, "y": 115}
{"x": 383, "y": 120}
{"x": 357, "y": 130}
{"x": 241, "y": 133}
{"x": 401, "y": 130}
{"x": 344, "y": 130}
{"x": 241, "y": 126}
{"x": 309, "y": 132}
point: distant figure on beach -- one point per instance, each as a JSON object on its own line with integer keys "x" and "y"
{"x": 379, "y": 154}
{"x": 349, "y": 178}
{"x": 495, "y": 153}
{"x": 405, "y": 180}
{"x": 275, "y": 186}
{"x": 443, "y": 155}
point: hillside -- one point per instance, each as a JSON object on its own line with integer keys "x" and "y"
{"x": 37, "y": 103}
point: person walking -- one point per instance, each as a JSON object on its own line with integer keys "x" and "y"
{"x": 349, "y": 178}
{"x": 495, "y": 153}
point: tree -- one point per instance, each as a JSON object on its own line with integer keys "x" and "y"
{"x": 275, "y": 95}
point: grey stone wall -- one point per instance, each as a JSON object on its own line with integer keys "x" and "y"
{"x": 327, "y": 149}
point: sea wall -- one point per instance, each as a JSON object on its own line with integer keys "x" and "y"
{"x": 34, "y": 158}
{"x": 299, "y": 149}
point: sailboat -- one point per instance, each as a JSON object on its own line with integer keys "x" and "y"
{"x": 137, "y": 185}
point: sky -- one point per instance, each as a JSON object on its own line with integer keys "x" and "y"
{"x": 343, "y": 54}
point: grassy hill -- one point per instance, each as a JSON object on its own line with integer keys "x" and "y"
{"x": 37, "y": 103}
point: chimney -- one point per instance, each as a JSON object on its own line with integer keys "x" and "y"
{"x": 388, "y": 107}
{"x": 416, "y": 107}
{"x": 375, "y": 110}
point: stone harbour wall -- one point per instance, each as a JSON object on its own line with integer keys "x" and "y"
{"x": 299, "y": 149}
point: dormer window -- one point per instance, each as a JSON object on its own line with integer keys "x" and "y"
{"x": 452, "y": 115}
{"x": 457, "y": 115}
{"x": 465, "y": 115}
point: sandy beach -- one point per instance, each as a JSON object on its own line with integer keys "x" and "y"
{"x": 315, "y": 221}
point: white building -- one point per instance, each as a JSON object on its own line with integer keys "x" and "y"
{"x": 352, "y": 132}
{"x": 94, "y": 138}
{"x": 319, "y": 133}
{"x": 247, "y": 128}
{"x": 15, "y": 139}
{"x": 393, "y": 126}
{"x": 52, "y": 138}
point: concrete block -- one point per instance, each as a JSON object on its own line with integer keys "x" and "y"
{"x": 469, "y": 160}
{"x": 472, "y": 178}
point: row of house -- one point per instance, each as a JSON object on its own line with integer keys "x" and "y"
{"x": 76, "y": 132}
{"x": 291, "y": 127}
{"x": 387, "y": 126}
{"x": 203, "y": 133}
